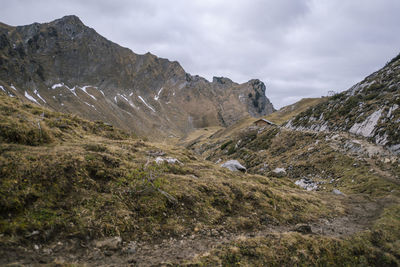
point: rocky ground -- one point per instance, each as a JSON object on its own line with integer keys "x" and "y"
{"x": 181, "y": 250}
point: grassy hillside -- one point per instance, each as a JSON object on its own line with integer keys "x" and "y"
{"x": 67, "y": 180}
{"x": 286, "y": 113}
{"x": 377, "y": 247}
{"x": 369, "y": 109}
{"x": 366, "y": 175}
{"x": 69, "y": 188}
{"x": 278, "y": 117}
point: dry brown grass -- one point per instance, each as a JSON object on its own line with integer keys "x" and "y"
{"x": 312, "y": 155}
{"x": 286, "y": 113}
{"x": 91, "y": 180}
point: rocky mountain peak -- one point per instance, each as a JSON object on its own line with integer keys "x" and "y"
{"x": 74, "y": 69}
{"x": 260, "y": 103}
{"x": 257, "y": 85}
{"x": 222, "y": 80}
{"x": 69, "y": 19}
{"x": 70, "y": 26}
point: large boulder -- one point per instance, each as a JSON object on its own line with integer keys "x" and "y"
{"x": 279, "y": 172}
{"x": 234, "y": 165}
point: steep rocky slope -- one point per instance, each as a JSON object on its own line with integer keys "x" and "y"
{"x": 67, "y": 66}
{"x": 369, "y": 109}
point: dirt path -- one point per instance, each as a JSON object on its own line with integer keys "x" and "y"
{"x": 360, "y": 214}
{"x": 383, "y": 173}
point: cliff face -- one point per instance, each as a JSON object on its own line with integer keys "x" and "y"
{"x": 68, "y": 67}
{"x": 369, "y": 109}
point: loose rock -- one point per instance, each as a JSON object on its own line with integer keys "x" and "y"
{"x": 303, "y": 228}
{"x": 168, "y": 160}
{"x": 111, "y": 243}
{"x": 337, "y": 192}
{"x": 279, "y": 172}
{"x": 234, "y": 165}
{"x": 130, "y": 248}
{"x": 307, "y": 184}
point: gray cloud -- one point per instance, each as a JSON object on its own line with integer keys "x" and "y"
{"x": 298, "y": 48}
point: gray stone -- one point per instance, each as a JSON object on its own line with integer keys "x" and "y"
{"x": 111, "y": 243}
{"x": 302, "y": 228}
{"x": 33, "y": 233}
{"x": 130, "y": 248}
{"x": 279, "y": 172}
{"x": 337, "y": 191}
{"x": 307, "y": 184}
{"x": 234, "y": 165}
{"x": 168, "y": 160}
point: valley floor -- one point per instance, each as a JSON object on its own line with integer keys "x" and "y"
{"x": 80, "y": 193}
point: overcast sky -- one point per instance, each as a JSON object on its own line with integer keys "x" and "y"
{"x": 299, "y": 48}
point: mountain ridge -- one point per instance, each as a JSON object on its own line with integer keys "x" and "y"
{"x": 142, "y": 93}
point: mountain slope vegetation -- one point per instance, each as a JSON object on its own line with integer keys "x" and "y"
{"x": 364, "y": 175}
{"x": 369, "y": 109}
{"x": 71, "y": 187}
{"x": 75, "y": 182}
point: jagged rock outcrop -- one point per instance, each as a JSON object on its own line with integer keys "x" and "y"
{"x": 369, "y": 109}
{"x": 69, "y": 67}
{"x": 257, "y": 103}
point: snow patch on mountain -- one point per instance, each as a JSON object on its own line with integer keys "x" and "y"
{"x": 38, "y": 95}
{"x": 147, "y": 105}
{"x": 84, "y": 88}
{"x": 158, "y": 94}
{"x": 72, "y": 90}
{"x": 126, "y": 99}
{"x": 57, "y": 85}
{"x": 90, "y": 105}
{"x": 31, "y": 98}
